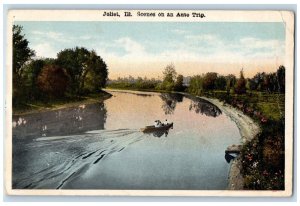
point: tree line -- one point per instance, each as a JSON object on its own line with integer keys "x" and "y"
{"x": 264, "y": 82}
{"x": 211, "y": 81}
{"x": 74, "y": 72}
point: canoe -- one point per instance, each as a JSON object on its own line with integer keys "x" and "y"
{"x": 152, "y": 128}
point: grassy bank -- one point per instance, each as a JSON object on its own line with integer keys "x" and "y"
{"x": 52, "y": 104}
{"x": 263, "y": 156}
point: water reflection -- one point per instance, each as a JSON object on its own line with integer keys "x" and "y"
{"x": 169, "y": 101}
{"x": 204, "y": 107}
{"x": 78, "y": 153}
{"x": 66, "y": 121}
{"x": 161, "y": 133}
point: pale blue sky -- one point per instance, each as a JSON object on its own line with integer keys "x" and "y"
{"x": 138, "y": 48}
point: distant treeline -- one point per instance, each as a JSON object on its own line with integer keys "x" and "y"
{"x": 201, "y": 84}
{"x": 74, "y": 72}
{"x": 134, "y": 83}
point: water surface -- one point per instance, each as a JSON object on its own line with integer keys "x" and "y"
{"x": 100, "y": 146}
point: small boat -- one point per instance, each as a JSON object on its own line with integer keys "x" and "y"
{"x": 152, "y": 128}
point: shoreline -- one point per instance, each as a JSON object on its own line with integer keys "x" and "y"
{"x": 248, "y": 130}
{"x": 85, "y": 100}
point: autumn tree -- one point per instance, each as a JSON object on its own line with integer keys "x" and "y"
{"x": 53, "y": 81}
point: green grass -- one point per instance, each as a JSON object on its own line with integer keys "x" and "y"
{"x": 263, "y": 156}
{"x": 270, "y": 105}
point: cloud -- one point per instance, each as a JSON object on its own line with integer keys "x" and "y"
{"x": 130, "y": 45}
{"x": 45, "y": 50}
{"x": 54, "y": 36}
{"x": 202, "y": 37}
{"x": 255, "y": 43}
{"x": 199, "y": 52}
{"x": 85, "y": 37}
{"x": 179, "y": 31}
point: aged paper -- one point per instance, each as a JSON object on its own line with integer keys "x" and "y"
{"x": 85, "y": 89}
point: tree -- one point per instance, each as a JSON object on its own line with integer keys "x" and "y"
{"x": 241, "y": 84}
{"x": 74, "y": 61}
{"x": 96, "y": 72}
{"x": 230, "y": 82}
{"x": 31, "y": 72}
{"x": 21, "y": 54}
{"x": 281, "y": 78}
{"x": 80, "y": 64}
{"x": 53, "y": 81}
{"x": 196, "y": 85}
{"x": 169, "y": 77}
{"x": 179, "y": 83}
{"x": 209, "y": 80}
{"x": 220, "y": 83}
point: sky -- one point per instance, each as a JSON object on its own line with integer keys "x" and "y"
{"x": 146, "y": 48}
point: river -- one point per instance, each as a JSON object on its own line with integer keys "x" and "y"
{"x": 100, "y": 145}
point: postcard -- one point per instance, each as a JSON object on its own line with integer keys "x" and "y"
{"x": 149, "y": 102}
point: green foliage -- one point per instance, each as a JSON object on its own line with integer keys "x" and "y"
{"x": 220, "y": 83}
{"x": 75, "y": 63}
{"x": 209, "y": 80}
{"x": 230, "y": 82}
{"x": 169, "y": 74}
{"x": 179, "y": 84}
{"x": 262, "y": 157}
{"x": 138, "y": 83}
{"x": 21, "y": 54}
{"x": 240, "y": 87}
{"x": 79, "y": 70}
{"x": 280, "y": 74}
{"x": 272, "y": 82}
{"x": 196, "y": 85}
{"x": 96, "y": 76}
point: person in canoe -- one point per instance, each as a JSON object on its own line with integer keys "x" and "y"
{"x": 157, "y": 123}
{"x": 166, "y": 122}
{"x": 158, "y": 126}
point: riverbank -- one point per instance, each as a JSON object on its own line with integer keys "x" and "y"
{"x": 36, "y": 107}
{"x": 248, "y": 129}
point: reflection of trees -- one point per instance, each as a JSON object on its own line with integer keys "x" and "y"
{"x": 204, "y": 107}
{"x": 169, "y": 102}
{"x": 66, "y": 121}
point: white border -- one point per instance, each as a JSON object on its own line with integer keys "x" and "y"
{"x": 216, "y": 16}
